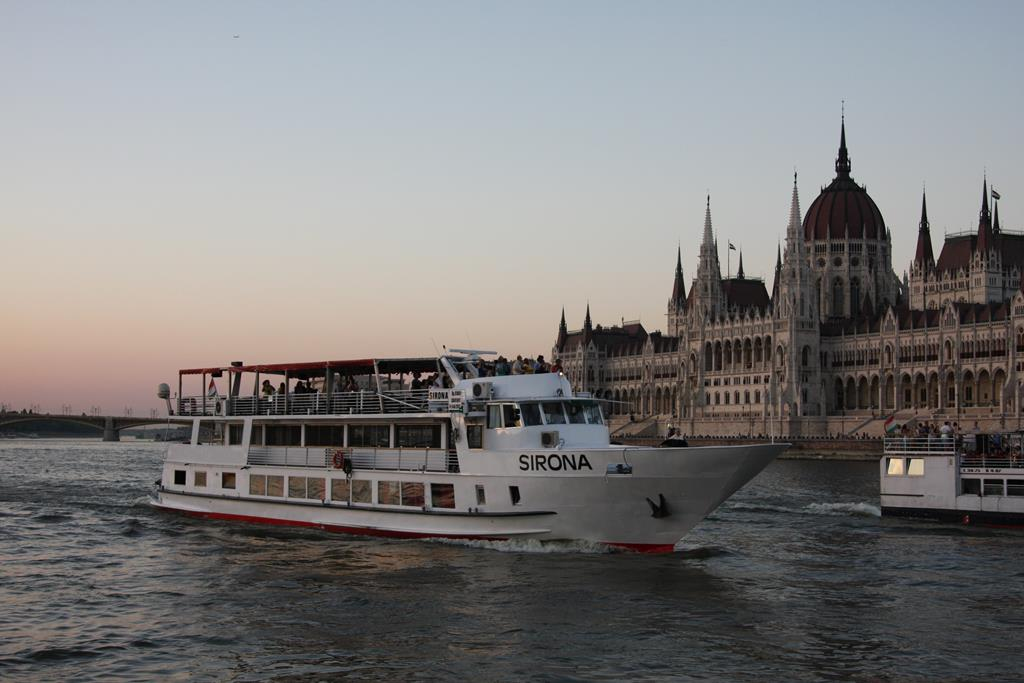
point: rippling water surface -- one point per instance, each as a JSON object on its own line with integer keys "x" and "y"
{"x": 795, "y": 578}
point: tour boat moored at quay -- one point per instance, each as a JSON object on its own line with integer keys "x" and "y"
{"x": 969, "y": 479}
{"x": 368, "y": 447}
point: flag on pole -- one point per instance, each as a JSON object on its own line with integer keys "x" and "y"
{"x": 212, "y": 391}
{"x": 890, "y": 424}
{"x": 995, "y": 195}
{"x": 732, "y": 247}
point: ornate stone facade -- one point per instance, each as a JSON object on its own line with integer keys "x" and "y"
{"x": 839, "y": 345}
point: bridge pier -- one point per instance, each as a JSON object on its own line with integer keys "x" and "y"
{"x": 109, "y": 433}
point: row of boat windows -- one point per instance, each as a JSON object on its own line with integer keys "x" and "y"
{"x": 403, "y": 493}
{"x": 535, "y": 414}
{"x": 359, "y": 435}
{"x": 992, "y": 487}
{"x": 898, "y": 467}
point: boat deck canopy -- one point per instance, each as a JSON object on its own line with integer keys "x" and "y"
{"x": 362, "y": 366}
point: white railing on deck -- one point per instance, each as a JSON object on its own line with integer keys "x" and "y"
{"x": 931, "y": 445}
{"x": 408, "y": 459}
{"x": 342, "y": 403}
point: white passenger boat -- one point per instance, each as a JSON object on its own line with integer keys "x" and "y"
{"x": 975, "y": 479}
{"x": 475, "y": 457}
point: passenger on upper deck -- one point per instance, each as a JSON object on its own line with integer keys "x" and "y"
{"x": 416, "y": 383}
{"x": 528, "y": 366}
{"x": 282, "y": 388}
{"x": 501, "y": 367}
{"x": 517, "y": 366}
{"x": 266, "y": 388}
{"x": 540, "y": 367}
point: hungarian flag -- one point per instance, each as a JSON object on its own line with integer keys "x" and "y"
{"x": 890, "y": 424}
{"x": 212, "y": 391}
{"x": 732, "y": 247}
{"x": 995, "y": 195}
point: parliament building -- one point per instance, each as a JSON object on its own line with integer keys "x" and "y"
{"x": 838, "y": 346}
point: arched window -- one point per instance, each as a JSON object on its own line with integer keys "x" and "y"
{"x": 837, "y": 297}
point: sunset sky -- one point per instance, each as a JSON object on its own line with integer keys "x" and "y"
{"x": 363, "y": 179}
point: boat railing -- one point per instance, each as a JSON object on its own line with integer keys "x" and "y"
{"x": 984, "y": 461}
{"x": 340, "y": 403}
{"x": 361, "y": 458}
{"x": 925, "y": 445}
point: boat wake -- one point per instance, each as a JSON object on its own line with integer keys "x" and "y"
{"x": 829, "y": 509}
{"x": 532, "y": 546}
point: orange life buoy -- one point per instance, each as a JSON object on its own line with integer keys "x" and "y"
{"x": 339, "y": 459}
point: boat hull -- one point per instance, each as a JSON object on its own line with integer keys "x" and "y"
{"x": 667, "y": 493}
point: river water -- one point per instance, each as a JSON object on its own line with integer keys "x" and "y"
{"x": 796, "y": 578}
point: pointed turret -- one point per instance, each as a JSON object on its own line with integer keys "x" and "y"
{"x": 924, "y": 255}
{"x": 843, "y": 160}
{"x": 563, "y": 332}
{"x": 985, "y": 241}
{"x": 588, "y": 327}
{"x": 995, "y": 218}
{"x": 868, "y": 307}
{"x": 739, "y": 273}
{"x": 778, "y": 276}
{"x": 679, "y": 285}
{"x": 708, "y": 236}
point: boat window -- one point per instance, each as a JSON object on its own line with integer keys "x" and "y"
{"x": 275, "y": 485}
{"x": 475, "y": 435}
{"x": 412, "y": 494}
{"x": 362, "y": 492}
{"x": 993, "y": 487}
{"x": 1015, "y": 487}
{"x": 915, "y": 467}
{"x": 369, "y": 436}
{"x": 513, "y": 493}
{"x": 418, "y": 436}
{"x": 388, "y": 493}
{"x": 553, "y": 414}
{"x": 296, "y": 487}
{"x": 227, "y": 480}
{"x": 256, "y": 439}
{"x": 494, "y": 417}
{"x": 510, "y": 415}
{"x": 531, "y": 414}
{"x": 593, "y": 411}
{"x": 179, "y": 477}
{"x": 315, "y": 488}
{"x": 257, "y": 485}
{"x": 481, "y": 495}
{"x": 894, "y": 467}
{"x": 235, "y": 434}
{"x": 199, "y": 479}
{"x": 442, "y": 495}
{"x": 325, "y": 435}
{"x": 283, "y": 435}
{"x": 970, "y": 487}
{"x": 339, "y": 490}
{"x": 574, "y": 409}
{"x": 210, "y": 432}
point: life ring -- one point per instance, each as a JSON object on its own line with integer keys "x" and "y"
{"x": 339, "y": 459}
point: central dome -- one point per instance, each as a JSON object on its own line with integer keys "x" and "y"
{"x": 843, "y": 209}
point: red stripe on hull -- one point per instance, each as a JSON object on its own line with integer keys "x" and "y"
{"x": 388, "y": 533}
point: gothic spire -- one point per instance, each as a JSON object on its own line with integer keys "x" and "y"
{"x": 563, "y": 332}
{"x": 587, "y": 325}
{"x": 708, "y": 235}
{"x": 778, "y": 276}
{"x": 995, "y": 218}
{"x": 843, "y": 161}
{"x": 984, "y": 221}
{"x": 679, "y": 285}
{"x": 924, "y": 254}
{"x": 794, "y": 231}
{"x": 739, "y": 273}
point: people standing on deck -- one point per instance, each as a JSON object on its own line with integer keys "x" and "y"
{"x": 946, "y": 431}
{"x": 540, "y": 367}
{"x": 501, "y": 367}
{"x": 267, "y": 388}
{"x": 528, "y": 366}
{"x": 417, "y": 383}
{"x": 517, "y": 366}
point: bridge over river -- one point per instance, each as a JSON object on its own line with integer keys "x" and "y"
{"x": 110, "y": 425}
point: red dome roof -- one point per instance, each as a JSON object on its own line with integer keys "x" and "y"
{"x": 844, "y": 207}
